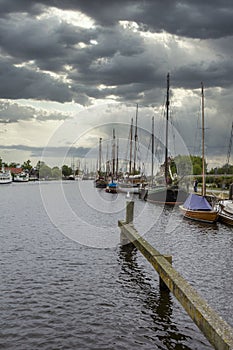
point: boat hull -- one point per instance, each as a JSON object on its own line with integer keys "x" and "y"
{"x": 26, "y": 179}
{"x": 111, "y": 190}
{"x": 19, "y": 180}
{"x": 3, "y": 182}
{"x": 99, "y": 183}
{"x": 169, "y": 196}
{"x": 210, "y": 216}
{"x": 128, "y": 189}
{"x": 226, "y": 218}
{"x": 226, "y": 212}
{"x": 21, "y": 177}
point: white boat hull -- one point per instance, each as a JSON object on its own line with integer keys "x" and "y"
{"x": 7, "y": 181}
{"x": 21, "y": 180}
{"x": 226, "y": 212}
{"x": 5, "y": 178}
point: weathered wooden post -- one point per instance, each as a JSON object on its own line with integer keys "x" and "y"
{"x": 129, "y": 212}
{"x": 163, "y": 285}
{"x": 128, "y": 220}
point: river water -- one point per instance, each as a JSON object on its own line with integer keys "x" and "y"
{"x": 67, "y": 283}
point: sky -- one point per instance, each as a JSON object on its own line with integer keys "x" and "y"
{"x": 72, "y": 71}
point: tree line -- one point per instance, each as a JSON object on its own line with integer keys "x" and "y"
{"x": 220, "y": 177}
{"x": 182, "y": 165}
{"x": 41, "y": 170}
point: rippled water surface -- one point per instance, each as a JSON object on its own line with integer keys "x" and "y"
{"x": 67, "y": 283}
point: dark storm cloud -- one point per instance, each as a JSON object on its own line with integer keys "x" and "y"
{"x": 10, "y": 6}
{"x": 22, "y": 82}
{"x": 46, "y": 57}
{"x": 52, "y": 45}
{"x": 48, "y": 42}
{"x": 195, "y": 19}
{"x": 106, "y": 54}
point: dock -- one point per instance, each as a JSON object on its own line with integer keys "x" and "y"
{"x": 215, "y": 329}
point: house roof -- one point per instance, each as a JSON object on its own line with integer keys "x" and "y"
{"x": 14, "y": 170}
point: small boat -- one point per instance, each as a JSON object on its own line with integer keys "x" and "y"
{"x": 21, "y": 177}
{"x": 100, "y": 182}
{"x": 127, "y": 188}
{"x": 226, "y": 211}
{"x": 112, "y": 187}
{"x": 5, "y": 176}
{"x": 132, "y": 183}
{"x": 197, "y": 208}
{"x": 71, "y": 177}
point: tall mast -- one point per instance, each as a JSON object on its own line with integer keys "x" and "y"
{"x": 135, "y": 141}
{"x": 131, "y": 146}
{"x": 113, "y": 153}
{"x": 100, "y": 153}
{"x": 107, "y": 163}
{"x": 229, "y": 149}
{"x": 203, "y": 141}
{"x": 166, "y": 135}
{"x": 152, "y": 152}
{"x": 117, "y": 158}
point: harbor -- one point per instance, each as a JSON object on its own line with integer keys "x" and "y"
{"x": 72, "y": 284}
{"x": 116, "y": 175}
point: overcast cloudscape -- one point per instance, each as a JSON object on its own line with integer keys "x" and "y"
{"x": 77, "y": 60}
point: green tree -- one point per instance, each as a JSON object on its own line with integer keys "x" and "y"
{"x": 225, "y": 169}
{"x": 13, "y": 165}
{"x": 27, "y": 165}
{"x": 197, "y": 169}
{"x": 39, "y": 164}
{"x": 66, "y": 170}
{"x": 56, "y": 173}
{"x": 187, "y": 165}
{"x": 45, "y": 171}
{"x": 1, "y": 163}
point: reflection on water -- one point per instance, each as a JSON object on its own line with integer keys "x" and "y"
{"x": 56, "y": 293}
{"x": 157, "y": 303}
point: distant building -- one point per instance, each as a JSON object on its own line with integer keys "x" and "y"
{"x": 14, "y": 171}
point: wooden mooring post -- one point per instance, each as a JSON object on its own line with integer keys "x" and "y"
{"x": 215, "y": 329}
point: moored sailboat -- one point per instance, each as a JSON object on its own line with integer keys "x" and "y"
{"x": 133, "y": 178}
{"x": 100, "y": 181}
{"x": 196, "y": 207}
{"x": 112, "y": 185}
{"x": 169, "y": 192}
